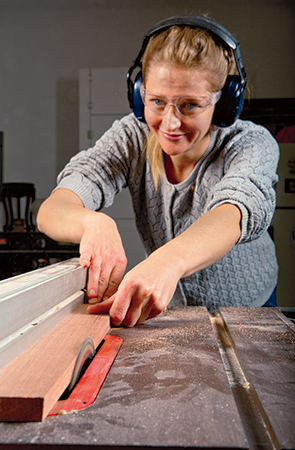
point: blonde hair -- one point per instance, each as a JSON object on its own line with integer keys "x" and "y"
{"x": 192, "y": 49}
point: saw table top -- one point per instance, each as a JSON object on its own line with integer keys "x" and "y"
{"x": 186, "y": 379}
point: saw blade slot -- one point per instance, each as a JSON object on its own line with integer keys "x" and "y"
{"x": 90, "y": 383}
{"x": 85, "y": 357}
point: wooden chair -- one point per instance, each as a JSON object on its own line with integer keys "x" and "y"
{"x": 17, "y": 191}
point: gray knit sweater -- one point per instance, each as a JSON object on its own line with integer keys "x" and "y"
{"x": 239, "y": 167}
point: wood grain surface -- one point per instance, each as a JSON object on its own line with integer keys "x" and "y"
{"x": 33, "y": 382}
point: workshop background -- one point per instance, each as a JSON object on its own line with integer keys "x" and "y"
{"x": 46, "y": 44}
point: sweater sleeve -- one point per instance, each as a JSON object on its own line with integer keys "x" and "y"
{"x": 96, "y": 175}
{"x": 250, "y": 157}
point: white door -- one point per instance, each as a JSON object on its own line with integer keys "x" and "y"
{"x": 102, "y": 100}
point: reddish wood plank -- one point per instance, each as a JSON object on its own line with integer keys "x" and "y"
{"x": 33, "y": 382}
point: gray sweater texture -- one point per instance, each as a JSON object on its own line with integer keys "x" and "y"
{"x": 239, "y": 167}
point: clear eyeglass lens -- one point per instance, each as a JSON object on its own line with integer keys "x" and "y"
{"x": 185, "y": 106}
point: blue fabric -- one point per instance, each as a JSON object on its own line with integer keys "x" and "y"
{"x": 272, "y": 301}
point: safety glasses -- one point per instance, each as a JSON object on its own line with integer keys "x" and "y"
{"x": 185, "y": 106}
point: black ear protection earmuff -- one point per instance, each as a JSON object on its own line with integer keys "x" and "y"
{"x": 230, "y": 105}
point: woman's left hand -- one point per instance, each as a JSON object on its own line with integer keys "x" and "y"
{"x": 148, "y": 288}
{"x": 144, "y": 292}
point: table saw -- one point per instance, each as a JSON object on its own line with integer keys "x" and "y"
{"x": 185, "y": 379}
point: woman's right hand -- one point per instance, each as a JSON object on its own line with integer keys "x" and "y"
{"x": 101, "y": 250}
{"x": 63, "y": 217}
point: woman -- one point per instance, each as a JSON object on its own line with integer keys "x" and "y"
{"x": 202, "y": 193}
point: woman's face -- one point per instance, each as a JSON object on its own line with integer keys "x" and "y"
{"x": 179, "y": 135}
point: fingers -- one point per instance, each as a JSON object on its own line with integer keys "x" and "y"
{"x": 150, "y": 313}
{"x": 135, "y": 303}
{"x": 137, "y": 315}
{"x": 106, "y": 270}
{"x": 138, "y": 312}
{"x": 127, "y": 301}
{"x": 144, "y": 292}
{"x": 114, "y": 280}
{"x": 97, "y": 281}
{"x": 124, "y": 307}
{"x": 129, "y": 306}
{"x": 104, "y": 279}
{"x": 85, "y": 259}
{"x": 101, "y": 308}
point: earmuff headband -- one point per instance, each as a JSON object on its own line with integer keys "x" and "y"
{"x": 220, "y": 35}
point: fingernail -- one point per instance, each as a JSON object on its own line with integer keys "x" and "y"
{"x": 92, "y": 293}
{"x": 92, "y": 300}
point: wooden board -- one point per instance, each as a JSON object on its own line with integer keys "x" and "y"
{"x": 16, "y": 343}
{"x": 27, "y": 296}
{"x": 265, "y": 345}
{"x": 29, "y": 300}
{"x": 33, "y": 382}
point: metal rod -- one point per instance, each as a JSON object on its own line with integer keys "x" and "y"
{"x": 257, "y": 426}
